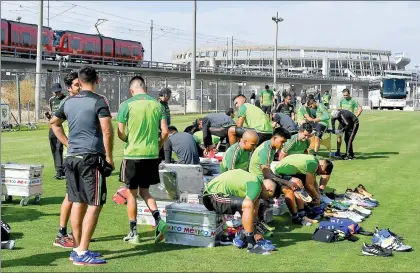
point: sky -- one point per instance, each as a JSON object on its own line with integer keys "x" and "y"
{"x": 390, "y": 26}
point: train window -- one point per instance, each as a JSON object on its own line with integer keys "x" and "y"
{"x": 125, "y": 51}
{"x": 136, "y": 51}
{"x": 108, "y": 50}
{"x": 26, "y": 39}
{"x": 15, "y": 37}
{"x": 66, "y": 42}
{"x": 89, "y": 47}
{"x": 45, "y": 40}
{"x": 97, "y": 49}
{"x": 75, "y": 44}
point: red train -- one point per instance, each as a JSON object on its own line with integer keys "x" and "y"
{"x": 21, "y": 38}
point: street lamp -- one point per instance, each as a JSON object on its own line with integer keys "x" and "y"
{"x": 276, "y": 19}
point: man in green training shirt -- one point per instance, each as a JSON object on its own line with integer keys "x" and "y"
{"x": 238, "y": 190}
{"x": 347, "y": 103}
{"x": 299, "y": 143}
{"x": 322, "y": 121}
{"x": 267, "y": 100}
{"x": 326, "y": 99}
{"x": 139, "y": 120}
{"x": 238, "y": 155}
{"x": 250, "y": 117}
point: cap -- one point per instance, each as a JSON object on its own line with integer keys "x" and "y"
{"x": 165, "y": 92}
{"x": 56, "y": 87}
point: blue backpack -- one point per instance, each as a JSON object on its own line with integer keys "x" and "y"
{"x": 346, "y": 228}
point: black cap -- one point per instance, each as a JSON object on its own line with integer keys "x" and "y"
{"x": 165, "y": 92}
{"x": 56, "y": 87}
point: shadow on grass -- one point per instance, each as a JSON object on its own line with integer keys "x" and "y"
{"x": 52, "y": 200}
{"x": 19, "y": 214}
{"x": 364, "y": 156}
{"x": 44, "y": 259}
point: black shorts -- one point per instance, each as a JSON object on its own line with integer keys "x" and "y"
{"x": 239, "y": 131}
{"x": 266, "y": 109}
{"x": 223, "y": 204}
{"x": 85, "y": 180}
{"x": 140, "y": 173}
{"x": 320, "y": 129}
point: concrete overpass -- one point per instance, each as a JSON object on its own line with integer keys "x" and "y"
{"x": 167, "y": 70}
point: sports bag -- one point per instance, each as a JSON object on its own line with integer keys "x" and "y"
{"x": 353, "y": 227}
{"x": 343, "y": 230}
{"x": 325, "y": 235}
{"x": 5, "y": 231}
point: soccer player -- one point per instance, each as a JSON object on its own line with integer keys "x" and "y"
{"x": 90, "y": 144}
{"x": 262, "y": 157}
{"x": 55, "y": 145}
{"x": 164, "y": 97}
{"x": 238, "y": 190}
{"x": 217, "y": 124}
{"x": 305, "y": 168}
{"x": 284, "y": 121}
{"x": 321, "y": 121}
{"x": 250, "y": 117}
{"x": 139, "y": 120}
{"x": 184, "y": 146}
{"x": 63, "y": 239}
{"x": 287, "y": 107}
{"x": 267, "y": 100}
{"x": 299, "y": 143}
{"x": 326, "y": 99}
{"x": 304, "y": 114}
{"x": 238, "y": 155}
{"x": 347, "y": 103}
{"x": 350, "y": 125}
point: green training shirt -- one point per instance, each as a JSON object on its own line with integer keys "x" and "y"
{"x": 255, "y": 118}
{"x": 235, "y": 158}
{"x": 198, "y": 137}
{"x": 267, "y": 97}
{"x": 263, "y": 155}
{"x": 237, "y": 183}
{"x": 142, "y": 115}
{"x": 322, "y": 113}
{"x": 295, "y": 146}
{"x": 301, "y": 113}
{"x": 352, "y": 105}
{"x": 297, "y": 164}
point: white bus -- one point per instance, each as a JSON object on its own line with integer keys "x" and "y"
{"x": 390, "y": 93}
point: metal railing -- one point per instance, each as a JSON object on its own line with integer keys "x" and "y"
{"x": 19, "y": 52}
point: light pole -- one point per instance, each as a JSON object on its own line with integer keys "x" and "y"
{"x": 416, "y": 91}
{"x": 276, "y": 19}
{"x": 38, "y": 61}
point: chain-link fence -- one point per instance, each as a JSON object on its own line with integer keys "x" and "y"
{"x": 18, "y": 92}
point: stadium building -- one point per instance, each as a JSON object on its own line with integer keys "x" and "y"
{"x": 344, "y": 62}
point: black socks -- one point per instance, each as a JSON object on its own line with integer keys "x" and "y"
{"x": 250, "y": 239}
{"x": 62, "y": 231}
{"x": 133, "y": 228}
{"x": 156, "y": 215}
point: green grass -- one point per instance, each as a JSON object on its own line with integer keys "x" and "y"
{"x": 387, "y": 148}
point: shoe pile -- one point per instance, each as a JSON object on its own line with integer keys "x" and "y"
{"x": 354, "y": 204}
{"x": 384, "y": 242}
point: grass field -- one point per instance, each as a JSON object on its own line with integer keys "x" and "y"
{"x": 388, "y": 165}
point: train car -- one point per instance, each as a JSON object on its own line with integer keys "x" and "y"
{"x": 79, "y": 46}
{"x": 126, "y": 50}
{"x": 21, "y": 38}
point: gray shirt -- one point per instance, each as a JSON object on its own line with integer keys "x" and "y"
{"x": 215, "y": 120}
{"x": 285, "y": 122}
{"x": 185, "y": 148}
{"x": 82, "y": 112}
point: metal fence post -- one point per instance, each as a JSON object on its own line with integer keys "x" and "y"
{"x": 18, "y": 97}
{"x": 166, "y": 83}
{"x": 217, "y": 95}
{"x": 201, "y": 102}
{"x": 119, "y": 91}
{"x": 185, "y": 97}
{"x": 230, "y": 97}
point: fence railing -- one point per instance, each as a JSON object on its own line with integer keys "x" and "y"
{"x": 21, "y": 52}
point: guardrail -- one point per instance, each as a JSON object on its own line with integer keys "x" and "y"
{"x": 19, "y": 52}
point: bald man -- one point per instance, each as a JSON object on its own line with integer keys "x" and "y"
{"x": 238, "y": 155}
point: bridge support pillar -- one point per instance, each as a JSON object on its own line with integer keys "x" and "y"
{"x": 193, "y": 106}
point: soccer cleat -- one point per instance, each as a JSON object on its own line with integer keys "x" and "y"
{"x": 337, "y": 154}
{"x": 160, "y": 231}
{"x": 135, "y": 240}
{"x": 339, "y": 205}
{"x": 362, "y": 190}
{"x": 302, "y": 194}
{"x": 325, "y": 199}
{"x": 360, "y": 210}
{"x": 266, "y": 226}
{"x": 63, "y": 241}
{"x": 258, "y": 250}
{"x": 390, "y": 232}
{"x": 87, "y": 259}
{"x": 349, "y": 215}
{"x": 240, "y": 240}
{"x": 93, "y": 254}
{"x": 226, "y": 240}
{"x": 266, "y": 245}
{"x": 375, "y": 250}
{"x": 384, "y": 239}
{"x": 306, "y": 221}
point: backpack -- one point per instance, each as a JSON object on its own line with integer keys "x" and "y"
{"x": 344, "y": 229}
{"x": 352, "y": 225}
{"x": 5, "y": 231}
